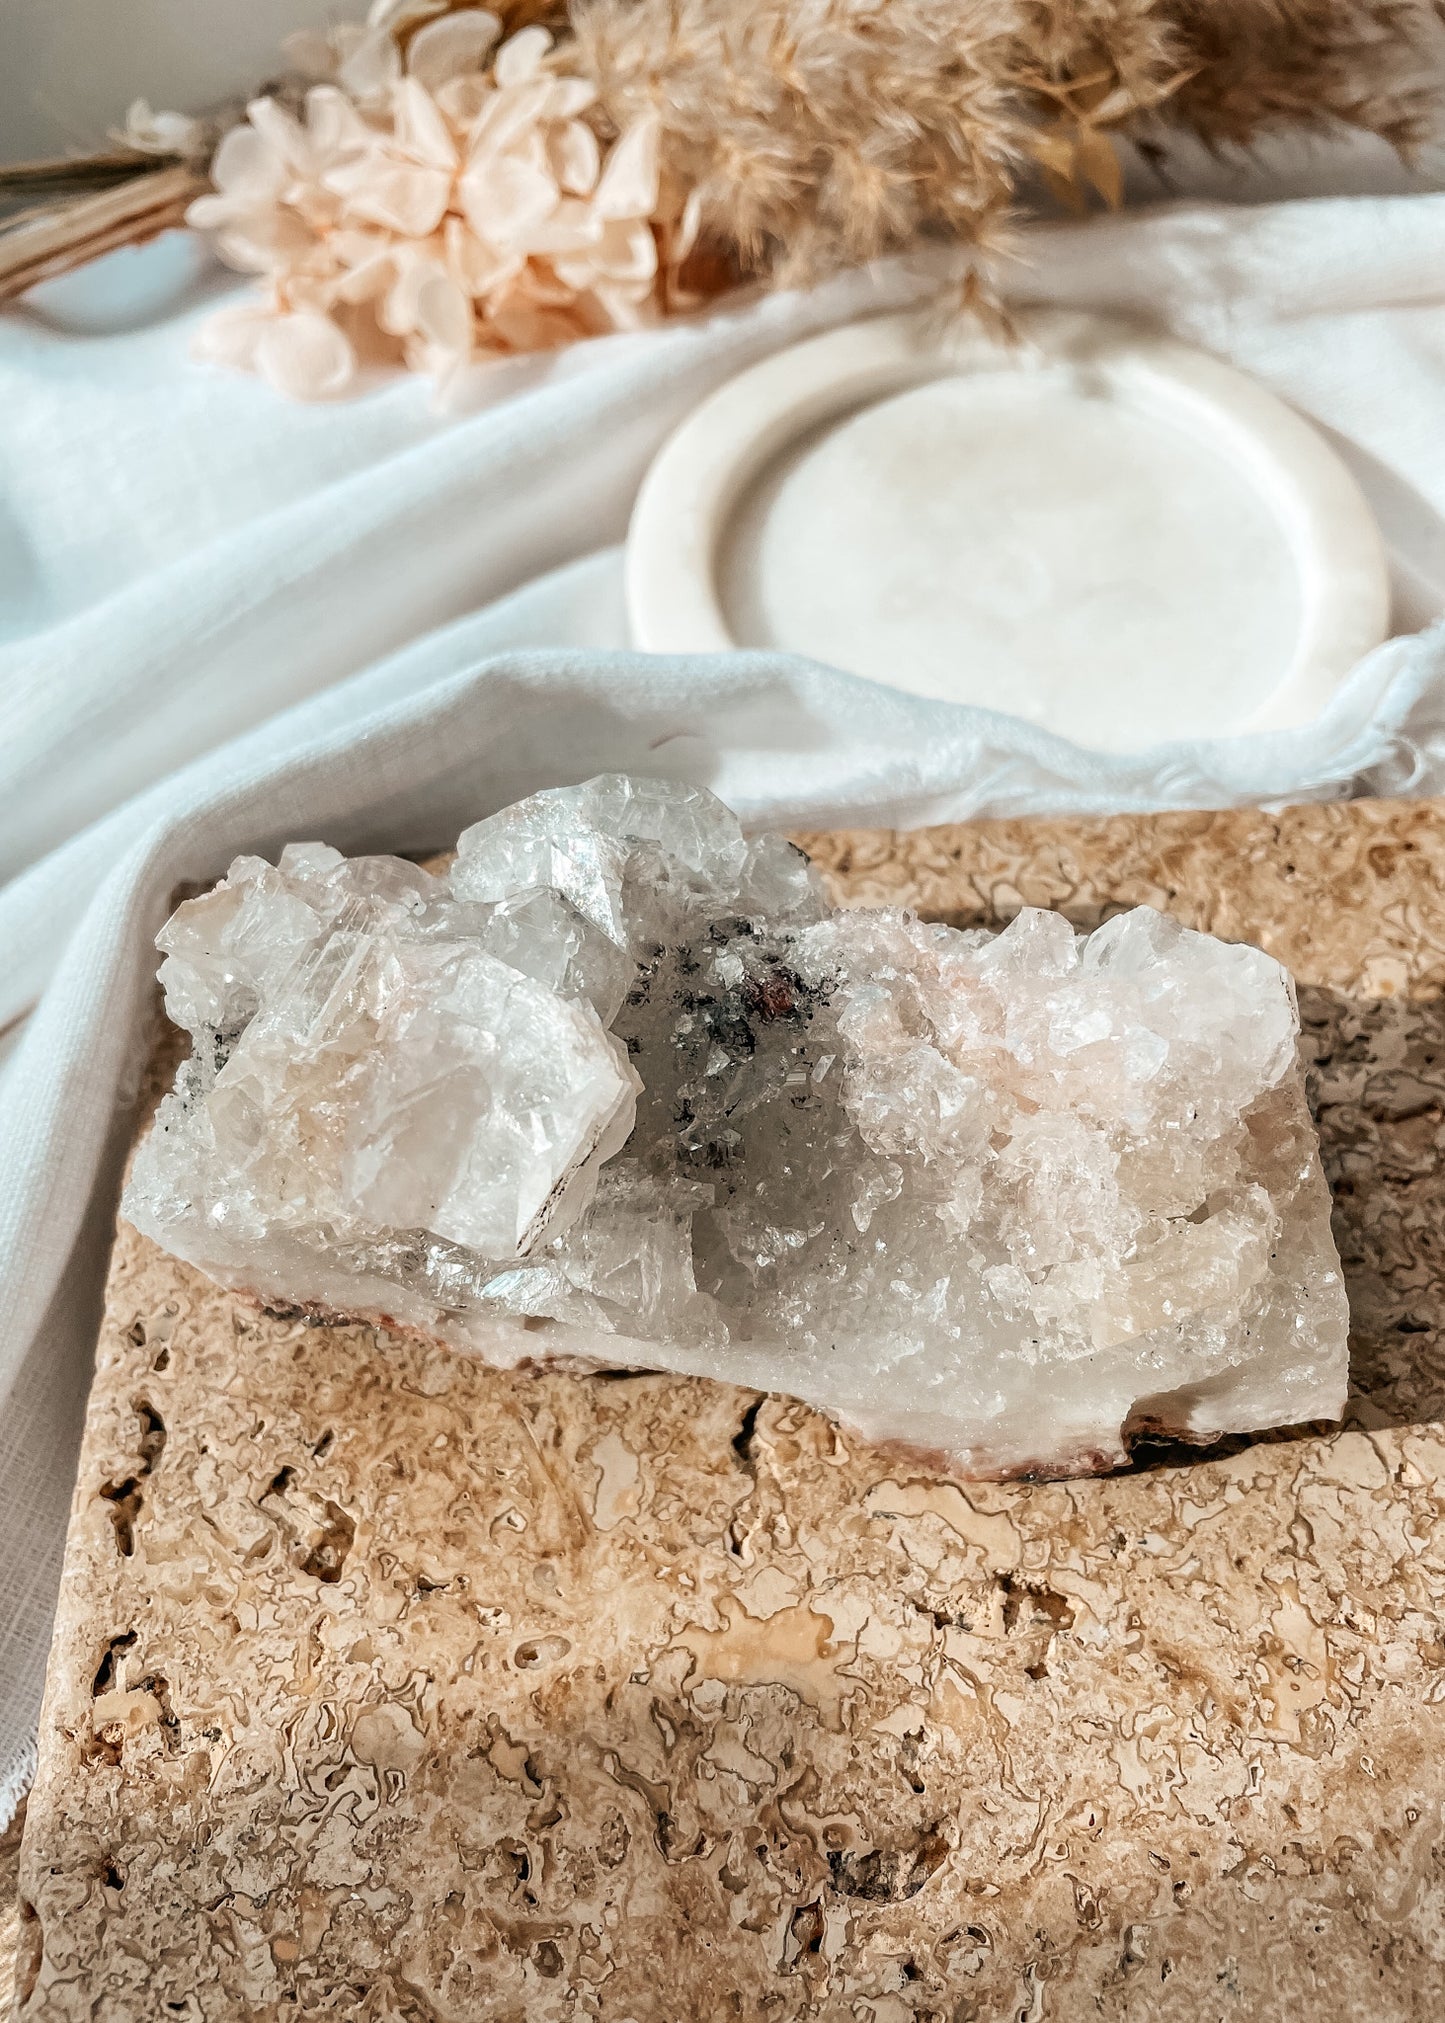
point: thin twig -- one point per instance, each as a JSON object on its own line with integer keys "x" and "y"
{"x": 44, "y": 242}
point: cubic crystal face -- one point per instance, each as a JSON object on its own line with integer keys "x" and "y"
{"x": 619, "y": 1087}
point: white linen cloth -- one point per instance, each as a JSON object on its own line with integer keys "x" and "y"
{"x": 230, "y": 622}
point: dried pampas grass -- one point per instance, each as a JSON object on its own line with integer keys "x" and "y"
{"x": 824, "y": 132}
{"x": 1261, "y": 67}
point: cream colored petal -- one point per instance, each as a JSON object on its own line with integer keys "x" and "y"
{"x": 441, "y": 362}
{"x": 473, "y": 265}
{"x": 625, "y": 253}
{"x": 462, "y": 98}
{"x": 628, "y": 188}
{"x": 520, "y": 58}
{"x": 517, "y": 325}
{"x": 413, "y": 268}
{"x": 314, "y": 204}
{"x": 334, "y": 124}
{"x": 444, "y": 314}
{"x": 350, "y": 245}
{"x": 305, "y": 356}
{"x": 283, "y": 133}
{"x": 162, "y": 133}
{"x": 347, "y": 37}
{"x": 573, "y": 228}
{"x": 310, "y": 52}
{"x": 417, "y": 354}
{"x": 316, "y": 291}
{"x": 230, "y": 336}
{"x": 242, "y": 253}
{"x": 420, "y": 128}
{"x": 688, "y": 228}
{"x": 451, "y": 46}
{"x": 540, "y": 284}
{"x": 408, "y": 198}
{"x": 465, "y": 385}
{"x": 574, "y": 156}
{"x": 506, "y": 116}
{"x": 264, "y": 241}
{"x": 246, "y": 165}
{"x": 505, "y": 198}
{"x": 522, "y": 326}
{"x": 394, "y": 14}
{"x": 366, "y": 280}
{"x": 574, "y": 272}
{"x": 210, "y": 212}
{"x": 567, "y": 96}
{"x": 365, "y": 263}
{"x": 370, "y": 66}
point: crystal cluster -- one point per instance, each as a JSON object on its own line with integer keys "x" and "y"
{"x": 620, "y": 1087}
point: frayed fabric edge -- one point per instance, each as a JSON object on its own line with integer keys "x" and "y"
{"x": 16, "y": 1783}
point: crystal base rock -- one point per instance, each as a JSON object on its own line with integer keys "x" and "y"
{"x": 621, "y": 1088}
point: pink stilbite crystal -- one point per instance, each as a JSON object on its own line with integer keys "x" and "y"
{"x": 621, "y": 1088}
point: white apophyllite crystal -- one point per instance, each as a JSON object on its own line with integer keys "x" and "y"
{"x": 620, "y": 1087}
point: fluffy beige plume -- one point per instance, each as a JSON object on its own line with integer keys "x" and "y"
{"x": 822, "y": 132}
{"x": 1266, "y": 66}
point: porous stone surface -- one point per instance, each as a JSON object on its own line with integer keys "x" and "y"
{"x": 390, "y": 1685}
{"x": 618, "y": 1087}
{"x": 10, "y": 1902}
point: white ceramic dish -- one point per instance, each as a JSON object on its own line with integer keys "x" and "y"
{"x": 1108, "y": 533}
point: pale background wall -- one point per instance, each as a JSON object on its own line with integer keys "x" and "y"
{"x": 69, "y": 68}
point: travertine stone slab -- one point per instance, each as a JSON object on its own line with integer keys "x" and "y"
{"x": 389, "y": 1686}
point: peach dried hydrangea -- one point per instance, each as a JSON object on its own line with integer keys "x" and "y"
{"x": 434, "y": 212}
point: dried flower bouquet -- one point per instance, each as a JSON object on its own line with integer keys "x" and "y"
{"x": 443, "y": 183}
{"x": 446, "y": 200}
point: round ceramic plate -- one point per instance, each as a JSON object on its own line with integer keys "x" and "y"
{"x": 1110, "y": 534}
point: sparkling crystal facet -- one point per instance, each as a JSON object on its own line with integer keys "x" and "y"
{"x": 620, "y": 1087}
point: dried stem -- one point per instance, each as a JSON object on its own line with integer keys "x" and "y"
{"x": 42, "y": 242}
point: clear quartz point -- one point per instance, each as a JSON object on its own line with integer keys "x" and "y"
{"x": 620, "y": 1087}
